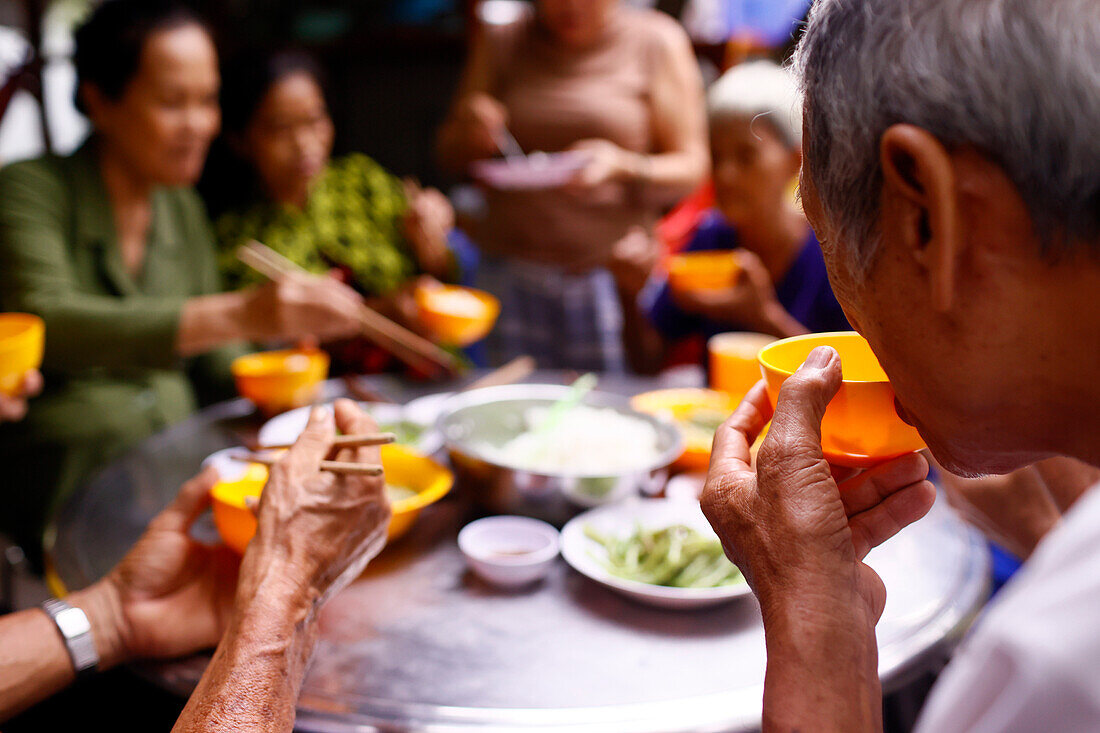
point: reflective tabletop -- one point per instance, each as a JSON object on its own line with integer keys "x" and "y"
{"x": 420, "y": 644}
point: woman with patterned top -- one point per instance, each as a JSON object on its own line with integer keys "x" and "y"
{"x": 273, "y": 180}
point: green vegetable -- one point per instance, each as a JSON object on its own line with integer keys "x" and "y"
{"x": 406, "y": 432}
{"x": 699, "y": 427}
{"x": 398, "y": 493}
{"x": 676, "y": 556}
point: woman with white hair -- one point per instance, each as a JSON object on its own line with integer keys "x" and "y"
{"x": 783, "y": 289}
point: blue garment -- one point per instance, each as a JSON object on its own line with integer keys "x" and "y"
{"x": 804, "y": 291}
{"x": 771, "y": 21}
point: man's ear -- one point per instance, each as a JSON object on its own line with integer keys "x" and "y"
{"x": 918, "y": 193}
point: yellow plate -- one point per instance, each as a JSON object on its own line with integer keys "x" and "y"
{"x": 679, "y": 405}
{"x": 404, "y": 467}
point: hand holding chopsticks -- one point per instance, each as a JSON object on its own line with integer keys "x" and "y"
{"x": 342, "y": 467}
{"x": 345, "y": 441}
{"x": 340, "y": 441}
{"x": 330, "y": 524}
{"x": 407, "y": 346}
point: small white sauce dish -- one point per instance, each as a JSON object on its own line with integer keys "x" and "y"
{"x": 509, "y": 551}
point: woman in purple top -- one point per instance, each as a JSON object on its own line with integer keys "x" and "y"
{"x": 783, "y": 290}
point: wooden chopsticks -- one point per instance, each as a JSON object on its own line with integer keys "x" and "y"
{"x": 346, "y": 441}
{"x": 514, "y": 371}
{"x": 414, "y": 350}
{"x": 340, "y": 441}
{"x": 346, "y": 467}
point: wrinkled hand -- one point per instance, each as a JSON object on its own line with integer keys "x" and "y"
{"x": 798, "y": 537}
{"x": 13, "y": 409}
{"x": 174, "y": 595}
{"x": 751, "y": 302}
{"x": 317, "y": 530}
{"x": 480, "y": 118}
{"x": 632, "y": 260}
{"x": 298, "y": 305}
{"x": 428, "y": 219}
{"x": 607, "y": 163}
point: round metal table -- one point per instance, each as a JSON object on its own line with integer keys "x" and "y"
{"x": 419, "y": 644}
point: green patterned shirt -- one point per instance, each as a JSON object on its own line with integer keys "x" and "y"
{"x": 353, "y": 220}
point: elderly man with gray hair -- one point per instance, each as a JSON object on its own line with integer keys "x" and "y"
{"x": 952, "y": 172}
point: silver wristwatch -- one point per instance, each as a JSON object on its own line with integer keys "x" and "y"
{"x": 77, "y": 633}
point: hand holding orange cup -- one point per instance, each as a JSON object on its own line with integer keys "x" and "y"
{"x": 861, "y": 427}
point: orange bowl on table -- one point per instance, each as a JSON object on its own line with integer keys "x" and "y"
{"x": 22, "y": 341}
{"x": 404, "y": 467}
{"x": 696, "y": 412}
{"x": 706, "y": 270}
{"x": 861, "y": 427}
{"x": 734, "y": 367}
{"x": 456, "y": 315}
{"x": 277, "y": 381}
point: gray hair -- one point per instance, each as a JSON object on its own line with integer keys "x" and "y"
{"x": 1018, "y": 80}
{"x": 759, "y": 89}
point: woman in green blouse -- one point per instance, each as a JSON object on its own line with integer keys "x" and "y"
{"x": 113, "y": 249}
{"x": 274, "y": 181}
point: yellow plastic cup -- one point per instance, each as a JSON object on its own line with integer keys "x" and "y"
{"x": 277, "y": 381}
{"x": 22, "y": 342}
{"x": 706, "y": 270}
{"x": 861, "y": 426}
{"x": 403, "y": 466}
{"x": 733, "y": 360}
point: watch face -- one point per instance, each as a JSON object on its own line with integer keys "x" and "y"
{"x": 72, "y": 622}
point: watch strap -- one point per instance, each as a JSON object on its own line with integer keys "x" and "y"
{"x": 76, "y": 631}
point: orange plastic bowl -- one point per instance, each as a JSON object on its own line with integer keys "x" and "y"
{"x": 861, "y": 427}
{"x": 734, "y": 367}
{"x": 22, "y": 340}
{"x": 457, "y": 315}
{"x": 277, "y": 381}
{"x": 703, "y": 270}
{"x": 403, "y": 466}
{"x": 679, "y": 406}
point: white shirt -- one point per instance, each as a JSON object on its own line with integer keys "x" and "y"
{"x": 1032, "y": 662}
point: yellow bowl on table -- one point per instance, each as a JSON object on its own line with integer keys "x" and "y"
{"x": 22, "y": 341}
{"x": 706, "y": 270}
{"x": 277, "y": 381}
{"x": 428, "y": 480}
{"x": 861, "y": 426}
{"x": 696, "y": 412}
{"x": 456, "y": 315}
{"x": 734, "y": 367}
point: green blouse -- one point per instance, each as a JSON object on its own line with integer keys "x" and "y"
{"x": 111, "y": 372}
{"x": 353, "y": 219}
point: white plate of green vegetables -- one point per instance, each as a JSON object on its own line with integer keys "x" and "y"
{"x": 661, "y": 552}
